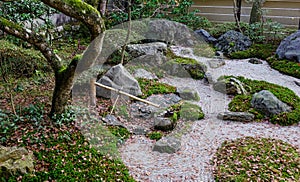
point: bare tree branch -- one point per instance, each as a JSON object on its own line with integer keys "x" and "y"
{"x": 81, "y": 11}
{"x": 33, "y": 38}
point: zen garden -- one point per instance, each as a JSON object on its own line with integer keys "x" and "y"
{"x": 146, "y": 91}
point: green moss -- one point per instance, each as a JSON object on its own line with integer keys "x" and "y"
{"x": 285, "y": 66}
{"x": 156, "y": 135}
{"x": 204, "y": 50}
{"x": 150, "y": 87}
{"x": 4, "y": 22}
{"x": 242, "y": 102}
{"x": 20, "y": 62}
{"x": 261, "y": 51}
{"x": 120, "y": 132}
{"x": 78, "y": 5}
{"x": 256, "y": 159}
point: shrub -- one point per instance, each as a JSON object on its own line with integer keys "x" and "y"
{"x": 19, "y": 62}
{"x": 160, "y": 9}
{"x": 256, "y": 159}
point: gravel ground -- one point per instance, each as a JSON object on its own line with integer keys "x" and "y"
{"x": 191, "y": 163}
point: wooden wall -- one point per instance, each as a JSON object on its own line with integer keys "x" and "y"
{"x": 286, "y": 12}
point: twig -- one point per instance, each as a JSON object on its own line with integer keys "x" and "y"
{"x": 127, "y": 94}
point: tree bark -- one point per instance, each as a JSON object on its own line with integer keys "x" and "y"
{"x": 256, "y": 11}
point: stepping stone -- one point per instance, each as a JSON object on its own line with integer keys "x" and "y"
{"x": 236, "y": 116}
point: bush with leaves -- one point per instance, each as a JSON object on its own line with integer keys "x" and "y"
{"x": 168, "y": 9}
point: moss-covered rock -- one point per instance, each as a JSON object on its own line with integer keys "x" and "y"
{"x": 242, "y": 103}
{"x": 190, "y": 112}
{"x": 185, "y": 67}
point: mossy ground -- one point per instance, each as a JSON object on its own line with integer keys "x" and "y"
{"x": 150, "y": 87}
{"x": 260, "y": 51}
{"x": 285, "y": 66}
{"x": 256, "y": 159}
{"x": 242, "y": 102}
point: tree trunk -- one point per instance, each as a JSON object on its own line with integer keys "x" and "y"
{"x": 256, "y": 11}
{"x": 239, "y": 9}
{"x": 64, "y": 80}
{"x": 299, "y": 25}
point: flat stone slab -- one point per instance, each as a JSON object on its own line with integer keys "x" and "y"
{"x": 167, "y": 145}
{"x": 236, "y": 116}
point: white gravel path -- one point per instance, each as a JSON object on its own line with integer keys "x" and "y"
{"x": 191, "y": 163}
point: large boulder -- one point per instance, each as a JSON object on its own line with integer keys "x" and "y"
{"x": 167, "y": 145}
{"x": 268, "y": 103}
{"x": 136, "y": 50}
{"x": 289, "y": 48}
{"x": 14, "y": 161}
{"x": 233, "y": 41}
{"x": 119, "y": 78}
{"x": 172, "y": 33}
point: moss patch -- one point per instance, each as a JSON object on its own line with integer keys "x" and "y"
{"x": 241, "y": 103}
{"x": 150, "y": 87}
{"x": 260, "y": 51}
{"x": 191, "y": 112}
{"x": 256, "y": 159}
{"x": 285, "y": 66}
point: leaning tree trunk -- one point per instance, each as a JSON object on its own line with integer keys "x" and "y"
{"x": 256, "y": 11}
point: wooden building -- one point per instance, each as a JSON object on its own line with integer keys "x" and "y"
{"x": 286, "y": 12}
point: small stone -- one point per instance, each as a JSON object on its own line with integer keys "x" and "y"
{"x": 216, "y": 63}
{"x": 255, "y": 61}
{"x": 187, "y": 93}
{"x": 111, "y": 120}
{"x": 236, "y": 116}
{"x": 163, "y": 124}
{"x": 167, "y": 145}
{"x": 139, "y": 131}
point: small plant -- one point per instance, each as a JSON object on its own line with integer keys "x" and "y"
{"x": 120, "y": 132}
{"x": 256, "y": 159}
{"x": 156, "y": 135}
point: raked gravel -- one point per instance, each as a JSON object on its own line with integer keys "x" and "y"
{"x": 192, "y": 161}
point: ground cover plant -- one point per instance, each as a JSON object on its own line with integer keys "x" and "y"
{"x": 241, "y": 103}
{"x": 256, "y": 159}
{"x": 285, "y": 66}
{"x": 150, "y": 87}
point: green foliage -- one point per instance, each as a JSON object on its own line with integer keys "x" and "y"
{"x": 19, "y": 62}
{"x": 258, "y": 32}
{"x": 150, "y": 87}
{"x": 242, "y": 103}
{"x": 261, "y": 51}
{"x": 264, "y": 31}
{"x": 167, "y": 9}
{"x": 256, "y": 159}
{"x": 120, "y": 132}
{"x": 7, "y": 125}
{"x": 285, "y": 66}
{"x": 155, "y": 135}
